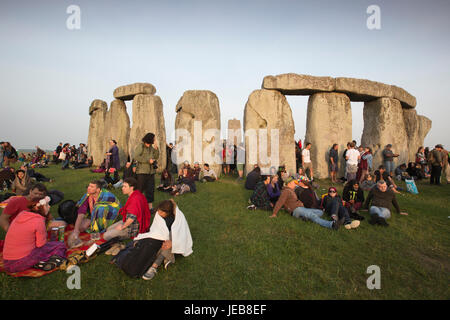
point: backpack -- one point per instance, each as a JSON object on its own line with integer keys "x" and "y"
{"x": 135, "y": 259}
{"x": 68, "y": 211}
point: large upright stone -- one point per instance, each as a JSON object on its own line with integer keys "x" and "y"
{"x": 417, "y": 128}
{"x": 117, "y": 127}
{"x": 329, "y": 121}
{"x": 234, "y": 134}
{"x": 268, "y": 115}
{"x": 197, "y": 128}
{"x": 96, "y": 137}
{"x": 148, "y": 116}
{"x": 128, "y": 92}
{"x": 384, "y": 124}
{"x": 298, "y": 84}
{"x": 424, "y": 128}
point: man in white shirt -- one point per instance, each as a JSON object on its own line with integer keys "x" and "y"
{"x": 352, "y": 156}
{"x": 306, "y": 161}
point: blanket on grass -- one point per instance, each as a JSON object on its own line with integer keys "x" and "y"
{"x": 35, "y": 273}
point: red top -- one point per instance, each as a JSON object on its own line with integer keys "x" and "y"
{"x": 137, "y": 205}
{"x": 26, "y": 233}
{"x": 15, "y": 206}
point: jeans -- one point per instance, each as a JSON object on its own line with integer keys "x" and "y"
{"x": 336, "y": 208}
{"x": 313, "y": 215}
{"x": 381, "y": 212}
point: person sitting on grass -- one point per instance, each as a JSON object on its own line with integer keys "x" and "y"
{"x": 273, "y": 189}
{"x": 207, "y": 174}
{"x": 306, "y": 194}
{"x": 178, "y": 241}
{"x": 97, "y": 210}
{"x": 18, "y": 204}
{"x": 185, "y": 183}
{"x": 135, "y": 214}
{"x": 368, "y": 183}
{"x": 21, "y": 183}
{"x": 7, "y": 176}
{"x": 401, "y": 172}
{"x": 26, "y": 243}
{"x": 382, "y": 175}
{"x": 379, "y": 201}
{"x": 253, "y": 178}
{"x": 167, "y": 182}
{"x": 289, "y": 201}
{"x": 260, "y": 198}
{"x": 333, "y": 205}
{"x": 196, "y": 171}
{"x": 353, "y": 197}
{"x": 128, "y": 172}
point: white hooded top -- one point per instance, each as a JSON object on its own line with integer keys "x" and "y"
{"x": 181, "y": 235}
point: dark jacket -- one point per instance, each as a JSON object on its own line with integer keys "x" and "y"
{"x": 349, "y": 193}
{"x": 260, "y": 197}
{"x": 381, "y": 199}
{"x": 252, "y": 179}
{"x": 308, "y": 197}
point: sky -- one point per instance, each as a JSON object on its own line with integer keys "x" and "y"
{"x": 50, "y": 74}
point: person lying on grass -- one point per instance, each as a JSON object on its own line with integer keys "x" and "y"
{"x": 289, "y": 201}
{"x": 18, "y": 204}
{"x": 379, "y": 200}
{"x": 26, "y": 243}
{"x": 135, "y": 214}
{"x": 97, "y": 210}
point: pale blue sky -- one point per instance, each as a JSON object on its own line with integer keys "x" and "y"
{"x": 50, "y": 75}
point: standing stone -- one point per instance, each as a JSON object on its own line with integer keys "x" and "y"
{"x": 117, "y": 127}
{"x": 234, "y": 132}
{"x": 417, "y": 128}
{"x": 424, "y": 128}
{"x": 269, "y": 110}
{"x": 96, "y": 137}
{"x": 384, "y": 124}
{"x": 329, "y": 121}
{"x": 197, "y": 126}
{"x": 148, "y": 116}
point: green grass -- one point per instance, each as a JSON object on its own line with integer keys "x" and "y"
{"x": 241, "y": 254}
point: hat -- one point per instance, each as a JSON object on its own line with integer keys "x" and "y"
{"x": 332, "y": 189}
{"x": 439, "y": 146}
{"x": 389, "y": 145}
{"x": 303, "y": 179}
{"x": 290, "y": 179}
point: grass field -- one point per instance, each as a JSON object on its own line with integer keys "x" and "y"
{"x": 241, "y": 254}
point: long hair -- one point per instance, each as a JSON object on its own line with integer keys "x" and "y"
{"x": 168, "y": 206}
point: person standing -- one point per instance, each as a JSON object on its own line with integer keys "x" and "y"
{"x": 146, "y": 155}
{"x": 388, "y": 159}
{"x": 334, "y": 157}
{"x": 2, "y": 154}
{"x": 352, "y": 156}
{"x": 306, "y": 161}
{"x": 435, "y": 159}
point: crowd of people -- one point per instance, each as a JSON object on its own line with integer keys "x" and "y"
{"x": 99, "y": 212}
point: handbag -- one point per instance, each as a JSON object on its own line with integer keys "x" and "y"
{"x": 411, "y": 186}
{"x": 62, "y": 156}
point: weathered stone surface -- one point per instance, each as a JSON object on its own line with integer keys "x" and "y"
{"x": 384, "y": 124}
{"x": 407, "y": 100}
{"x": 234, "y": 134}
{"x": 417, "y": 128}
{"x": 96, "y": 137}
{"x": 197, "y": 126}
{"x": 329, "y": 121}
{"x": 128, "y": 92}
{"x": 268, "y": 110}
{"x": 148, "y": 116}
{"x": 362, "y": 89}
{"x": 117, "y": 127}
{"x": 298, "y": 84}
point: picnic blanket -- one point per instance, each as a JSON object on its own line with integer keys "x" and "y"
{"x": 35, "y": 273}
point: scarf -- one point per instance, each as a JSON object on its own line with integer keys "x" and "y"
{"x": 137, "y": 205}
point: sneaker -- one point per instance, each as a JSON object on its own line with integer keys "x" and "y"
{"x": 348, "y": 226}
{"x": 338, "y": 223}
{"x": 355, "y": 224}
{"x": 251, "y": 207}
{"x": 382, "y": 222}
{"x": 373, "y": 219}
{"x": 151, "y": 272}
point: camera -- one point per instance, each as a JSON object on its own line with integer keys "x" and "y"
{"x": 155, "y": 164}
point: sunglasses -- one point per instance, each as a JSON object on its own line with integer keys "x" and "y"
{"x": 331, "y": 191}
